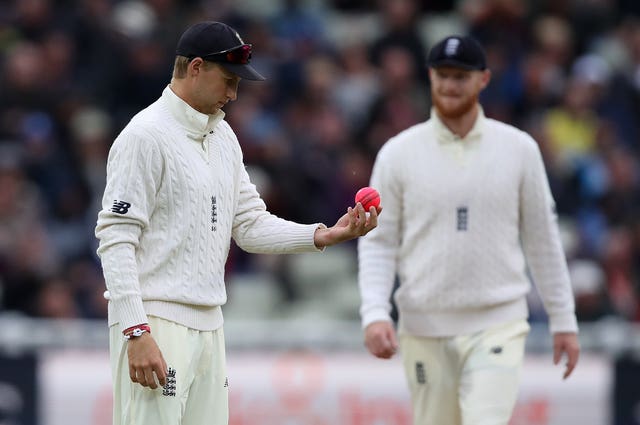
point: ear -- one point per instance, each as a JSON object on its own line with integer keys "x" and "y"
{"x": 195, "y": 66}
{"x": 486, "y": 77}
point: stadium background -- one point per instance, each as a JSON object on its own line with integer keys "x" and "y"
{"x": 343, "y": 76}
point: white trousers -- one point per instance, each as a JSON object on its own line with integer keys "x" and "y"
{"x": 197, "y": 389}
{"x": 465, "y": 380}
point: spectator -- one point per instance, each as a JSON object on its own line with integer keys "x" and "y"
{"x": 59, "y": 66}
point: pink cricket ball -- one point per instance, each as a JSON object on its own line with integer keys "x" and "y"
{"x": 368, "y": 197}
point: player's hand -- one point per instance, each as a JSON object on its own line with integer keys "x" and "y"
{"x": 566, "y": 343}
{"x": 145, "y": 359}
{"x": 380, "y": 339}
{"x": 356, "y": 222}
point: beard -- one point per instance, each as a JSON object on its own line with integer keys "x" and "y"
{"x": 458, "y": 109}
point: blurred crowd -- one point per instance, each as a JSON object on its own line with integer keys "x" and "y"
{"x": 343, "y": 76}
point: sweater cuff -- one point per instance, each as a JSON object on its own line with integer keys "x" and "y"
{"x": 378, "y": 314}
{"x": 130, "y": 311}
{"x": 302, "y": 238}
{"x": 566, "y": 322}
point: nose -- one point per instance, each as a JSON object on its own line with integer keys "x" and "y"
{"x": 448, "y": 88}
{"x": 448, "y": 84}
{"x": 232, "y": 92}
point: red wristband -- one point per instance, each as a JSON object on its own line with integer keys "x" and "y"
{"x": 135, "y": 331}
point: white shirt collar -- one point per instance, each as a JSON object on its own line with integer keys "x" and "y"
{"x": 196, "y": 123}
{"x": 445, "y": 135}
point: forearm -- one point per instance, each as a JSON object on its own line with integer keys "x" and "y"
{"x": 542, "y": 246}
{"x": 376, "y": 277}
{"x": 272, "y": 235}
{"x": 547, "y": 265}
{"x": 120, "y": 269}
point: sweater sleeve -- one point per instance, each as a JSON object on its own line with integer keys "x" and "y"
{"x": 256, "y": 230}
{"x": 542, "y": 246}
{"x": 134, "y": 171}
{"x": 378, "y": 250}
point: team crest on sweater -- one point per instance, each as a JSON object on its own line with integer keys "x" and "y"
{"x": 462, "y": 218}
{"x": 214, "y": 213}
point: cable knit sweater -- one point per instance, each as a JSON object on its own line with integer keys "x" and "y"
{"x": 177, "y": 191}
{"x": 462, "y": 220}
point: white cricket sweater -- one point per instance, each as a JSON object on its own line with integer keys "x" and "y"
{"x": 177, "y": 191}
{"x": 462, "y": 220}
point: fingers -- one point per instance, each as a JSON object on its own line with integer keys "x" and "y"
{"x": 373, "y": 217}
{"x": 132, "y": 374}
{"x": 557, "y": 353}
{"x": 357, "y": 219}
{"x": 566, "y": 343}
{"x": 147, "y": 366}
{"x": 149, "y": 376}
{"x": 568, "y": 371}
{"x": 364, "y": 221}
{"x": 360, "y": 215}
{"x": 162, "y": 373}
{"x": 381, "y": 348}
{"x": 356, "y": 222}
{"x": 380, "y": 340}
{"x": 387, "y": 349}
{"x": 572, "y": 361}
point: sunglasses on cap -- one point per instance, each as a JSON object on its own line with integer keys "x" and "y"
{"x": 239, "y": 55}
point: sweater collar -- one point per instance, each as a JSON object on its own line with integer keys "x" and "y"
{"x": 196, "y": 123}
{"x": 444, "y": 135}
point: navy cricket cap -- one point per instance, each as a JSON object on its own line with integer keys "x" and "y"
{"x": 458, "y": 52}
{"x": 218, "y": 42}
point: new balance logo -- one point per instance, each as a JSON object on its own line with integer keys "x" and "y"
{"x": 226, "y": 382}
{"x": 169, "y": 389}
{"x": 120, "y": 207}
